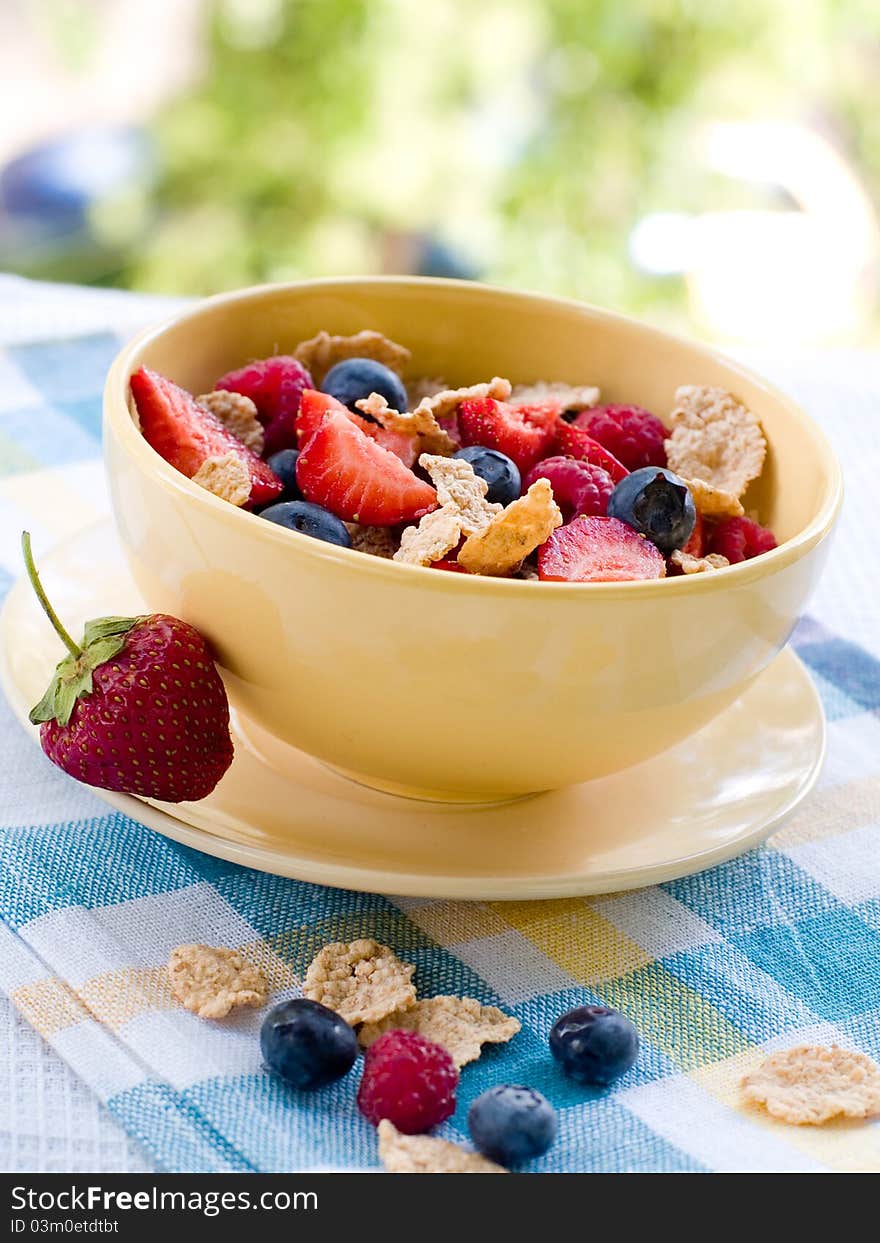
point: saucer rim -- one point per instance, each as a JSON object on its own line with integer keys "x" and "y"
{"x": 425, "y": 884}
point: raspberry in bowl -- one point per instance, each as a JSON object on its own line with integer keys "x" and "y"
{"x": 567, "y": 645}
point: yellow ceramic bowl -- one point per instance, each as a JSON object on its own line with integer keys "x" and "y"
{"x": 438, "y": 685}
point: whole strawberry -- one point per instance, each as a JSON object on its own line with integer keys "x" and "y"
{"x": 137, "y": 707}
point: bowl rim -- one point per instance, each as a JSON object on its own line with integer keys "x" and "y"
{"x": 117, "y": 412}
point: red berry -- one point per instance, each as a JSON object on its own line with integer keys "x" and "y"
{"x": 598, "y": 550}
{"x": 453, "y": 431}
{"x": 156, "y": 720}
{"x": 409, "y": 1080}
{"x": 633, "y": 435}
{"x": 185, "y": 434}
{"x": 578, "y": 487}
{"x": 312, "y": 408}
{"x": 574, "y": 442}
{"x": 315, "y": 405}
{"x": 453, "y": 566}
{"x": 349, "y": 473}
{"x": 522, "y": 432}
{"x": 696, "y": 545}
{"x": 740, "y": 539}
{"x": 275, "y": 386}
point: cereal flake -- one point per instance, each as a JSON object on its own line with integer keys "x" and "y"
{"x": 421, "y": 424}
{"x": 712, "y": 502}
{"x": 460, "y": 488}
{"x": 444, "y": 404}
{"x": 238, "y": 414}
{"x": 689, "y": 564}
{"x": 423, "y": 1154}
{"x": 571, "y": 396}
{"x": 714, "y": 438}
{"x": 514, "y": 533}
{"x": 212, "y": 980}
{"x": 810, "y": 1085}
{"x": 436, "y": 535}
{"x": 461, "y": 1024}
{"x": 361, "y": 980}
{"x": 324, "y": 351}
{"x": 227, "y": 477}
{"x": 378, "y": 541}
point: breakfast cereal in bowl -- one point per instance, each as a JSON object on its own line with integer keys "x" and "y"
{"x": 540, "y": 483}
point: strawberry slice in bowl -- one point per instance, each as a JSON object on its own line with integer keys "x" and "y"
{"x": 348, "y": 472}
{"x": 187, "y": 435}
{"x": 522, "y": 432}
{"x": 598, "y": 550}
{"x": 572, "y": 441}
{"x": 315, "y": 404}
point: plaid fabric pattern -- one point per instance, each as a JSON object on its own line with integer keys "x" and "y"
{"x": 778, "y": 947}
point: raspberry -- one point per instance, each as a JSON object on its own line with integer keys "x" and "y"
{"x": 740, "y": 539}
{"x": 275, "y": 386}
{"x": 409, "y": 1080}
{"x": 578, "y": 487}
{"x": 633, "y": 435}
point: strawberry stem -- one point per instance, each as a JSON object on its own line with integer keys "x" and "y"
{"x": 34, "y": 577}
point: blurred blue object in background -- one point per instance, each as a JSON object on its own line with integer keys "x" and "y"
{"x": 78, "y": 201}
{"x": 437, "y": 258}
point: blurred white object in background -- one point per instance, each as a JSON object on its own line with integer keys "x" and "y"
{"x": 780, "y": 277}
{"x": 63, "y": 66}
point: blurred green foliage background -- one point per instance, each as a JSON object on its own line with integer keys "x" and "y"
{"x": 527, "y": 138}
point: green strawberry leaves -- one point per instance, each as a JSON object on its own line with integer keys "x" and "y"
{"x": 103, "y": 639}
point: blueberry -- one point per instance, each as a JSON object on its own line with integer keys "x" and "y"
{"x": 284, "y": 465}
{"x": 594, "y": 1045}
{"x": 657, "y": 504}
{"x": 309, "y": 519}
{"x": 502, "y": 475}
{"x": 306, "y": 1044}
{"x": 355, "y": 378}
{"x": 509, "y": 1123}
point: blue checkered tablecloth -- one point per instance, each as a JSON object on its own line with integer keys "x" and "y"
{"x": 776, "y": 948}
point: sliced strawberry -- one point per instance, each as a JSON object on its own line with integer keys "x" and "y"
{"x": 314, "y": 405}
{"x": 399, "y": 443}
{"x": 349, "y": 473}
{"x": 574, "y": 442}
{"x": 185, "y": 434}
{"x": 312, "y": 408}
{"x": 598, "y": 550}
{"x": 446, "y": 564}
{"x": 522, "y": 432}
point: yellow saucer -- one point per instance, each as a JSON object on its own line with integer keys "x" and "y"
{"x": 703, "y": 801}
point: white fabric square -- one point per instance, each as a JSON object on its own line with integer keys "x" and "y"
{"x": 512, "y": 965}
{"x": 657, "y": 922}
{"x": 853, "y": 748}
{"x": 184, "y": 1049}
{"x": 848, "y": 863}
{"x": 80, "y": 943}
{"x": 726, "y": 1141}
{"x": 18, "y": 965}
{"x": 106, "y": 1065}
